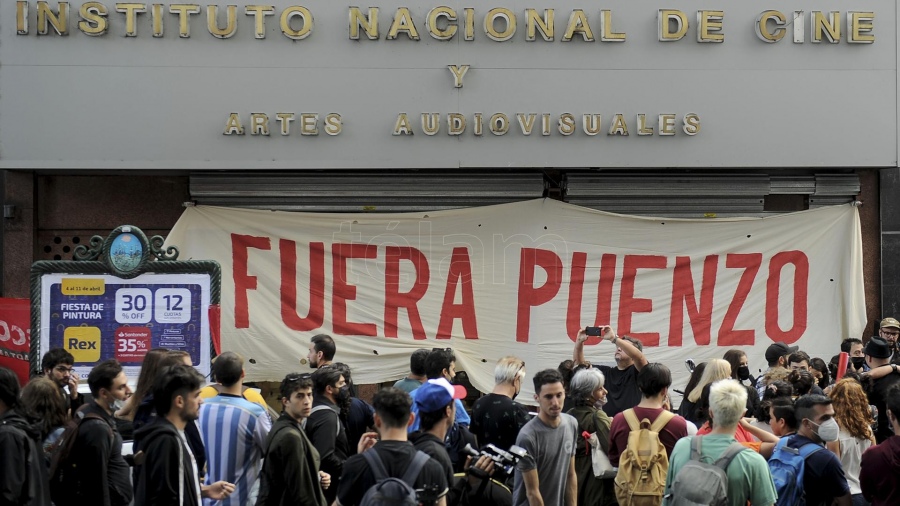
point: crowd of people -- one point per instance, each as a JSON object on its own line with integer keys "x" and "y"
{"x": 804, "y": 431}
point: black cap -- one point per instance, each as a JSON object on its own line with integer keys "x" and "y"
{"x": 779, "y": 349}
{"x": 878, "y": 348}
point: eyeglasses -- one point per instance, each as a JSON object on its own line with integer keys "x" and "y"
{"x": 64, "y": 369}
{"x": 892, "y": 334}
{"x": 298, "y": 376}
{"x": 442, "y": 349}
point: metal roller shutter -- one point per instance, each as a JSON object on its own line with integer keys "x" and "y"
{"x": 364, "y": 192}
{"x": 706, "y": 195}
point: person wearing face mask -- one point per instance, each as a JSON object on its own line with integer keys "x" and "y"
{"x": 854, "y": 347}
{"x": 740, "y": 371}
{"x": 497, "y": 418}
{"x": 324, "y": 427}
{"x": 357, "y": 414}
{"x": 589, "y": 394}
{"x": 103, "y": 474}
{"x": 441, "y": 363}
{"x": 824, "y": 482}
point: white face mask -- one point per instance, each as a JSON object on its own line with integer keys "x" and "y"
{"x": 828, "y": 430}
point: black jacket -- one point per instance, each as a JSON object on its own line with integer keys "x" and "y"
{"x": 164, "y": 477}
{"x": 24, "y": 477}
{"x": 330, "y": 439}
{"x": 290, "y": 472}
{"x": 97, "y": 454}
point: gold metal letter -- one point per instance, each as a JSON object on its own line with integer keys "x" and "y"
{"x": 666, "y": 124}
{"x": 233, "y": 125}
{"x": 59, "y": 20}
{"x": 860, "y": 26}
{"x": 94, "y": 16}
{"x": 665, "y": 17}
{"x": 402, "y": 126}
{"x": 285, "y": 119}
{"x": 578, "y": 23}
{"x": 566, "y": 123}
{"x": 508, "y": 18}
{"x": 184, "y": 12}
{"x": 829, "y": 26}
{"x": 260, "y": 12}
{"x": 456, "y": 123}
{"x": 403, "y": 23}
{"x": 259, "y": 123}
{"x": 156, "y": 15}
{"x": 131, "y": 11}
{"x": 431, "y": 23}
{"x": 606, "y": 31}
{"x": 710, "y": 21}
{"x": 526, "y": 122}
{"x": 22, "y": 18}
{"x": 478, "y": 129}
{"x": 369, "y": 23}
{"x": 590, "y": 123}
{"x": 762, "y": 28}
{"x": 292, "y": 12}
{"x": 308, "y": 123}
{"x": 431, "y": 122}
{"x": 458, "y": 73}
{"x": 643, "y": 129}
{"x": 535, "y": 23}
{"x": 333, "y": 124}
{"x": 470, "y": 23}
{"x": 691, "y": 124}
{"x": 499, "y": 124}
{"x": 618, "y": 126}
{"x": 212, "y": 22}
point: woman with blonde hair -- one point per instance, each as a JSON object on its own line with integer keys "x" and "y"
{"x": 716, "y": 369}
{"x": 851, "y": 410}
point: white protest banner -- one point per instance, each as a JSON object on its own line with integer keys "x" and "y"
{"x": 521, "y": 279}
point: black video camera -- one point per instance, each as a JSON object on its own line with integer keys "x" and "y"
{"x": 504, "y": 460}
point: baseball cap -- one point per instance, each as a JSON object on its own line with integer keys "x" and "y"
{"x": 889, "y": 322}
{"x": 437, "y": 393}
{"x": 878, "y": 348}
{"x": 779, "y": 349}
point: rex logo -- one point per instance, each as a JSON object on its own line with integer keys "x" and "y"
{"x": 83, "y": 343}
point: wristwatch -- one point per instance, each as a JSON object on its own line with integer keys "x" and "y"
{"x": 894, "y": 368}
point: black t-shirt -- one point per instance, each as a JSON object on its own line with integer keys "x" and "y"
{"x": 396, "y": 457}
{"x": 434, "y": 447}
{"x": 877, "y": 392}
{"x": 497, "y": 419}
{"x": 823, "y": 476}
{"x": 621, "y": 385}
{"x": 330, "y": 439}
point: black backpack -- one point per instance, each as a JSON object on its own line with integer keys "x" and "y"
{"x": 34, "y": 492}
{"x": 64, "y": 483}
{"x": 393, "y": 491}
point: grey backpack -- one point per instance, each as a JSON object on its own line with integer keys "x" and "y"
{"x": 700, "y": 484}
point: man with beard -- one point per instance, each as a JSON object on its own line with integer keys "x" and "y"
{"x": 57, "y": 365}
{"x": 324, "y": 428}
{"x": 96, "y": 460}
{"x": 169, "y": 473}
{"x": 321, "y": 351}
{"x": 290, "y": 473}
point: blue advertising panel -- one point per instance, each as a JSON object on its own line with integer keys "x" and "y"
{"x": 98, "y": 317}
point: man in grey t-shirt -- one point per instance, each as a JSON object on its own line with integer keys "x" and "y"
{"x": 547, "y": 474}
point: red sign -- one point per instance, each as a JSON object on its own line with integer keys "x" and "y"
{"x": 15, "y": 336}
{"x": 132, "y": 343}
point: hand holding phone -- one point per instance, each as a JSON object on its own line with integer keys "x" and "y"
{"x": 593, "y": 331}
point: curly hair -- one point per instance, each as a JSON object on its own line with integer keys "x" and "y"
{"x": 851, "y": 409}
